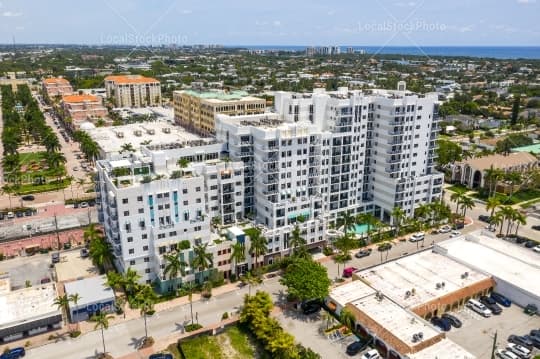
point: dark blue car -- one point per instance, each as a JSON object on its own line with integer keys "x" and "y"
{"x": 14, "y": 353}
{"x": 442, "y": 323}
{"x": 501, "y": 299}
{"x": 161, "y": 356}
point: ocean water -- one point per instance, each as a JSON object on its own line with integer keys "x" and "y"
{"x": 497, "y": 52}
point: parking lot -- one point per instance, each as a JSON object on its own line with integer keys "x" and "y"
{"x": 477, "y": 333}
{"x": 22, "y": 269}
{"x": 72, "y": 266}
{"x": 308, "y": 330}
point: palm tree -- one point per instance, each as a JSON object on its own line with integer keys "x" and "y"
{"x": 114, "y": 280}
{"x": 506, "y": 213}
{"x": 513, "y": 178}
{"x": 344, "y": 243}
{"x": 367, "y": 219}
{"x": 174, "y": 267}
{"x": 238, "y": 255}
{"x": 296, "y": 239}
{"x": 491, "y": 205}
{"x": 466, "y": 203}
{"x": 183, "y": 163}
{"x": 398, "y": 215}
{"x": 100, "y": 252}
{"x": 347, "y": 318}
{"x": 145, "y": 299}
{"x": 130, "y": 281}
{"x": 258, "y": 243}
{"x": 127, "y": 147}
{"x": 62, "y": 303}
{"x": 202, "y": 260}
{"x": 251, "y": 280}
{"x": 102, "y": 321}
{"x": 347, "y": 221}
{"x": 339, "y": 258}
{"x": 457, "y": 197}
{"x": 520, "y": 219}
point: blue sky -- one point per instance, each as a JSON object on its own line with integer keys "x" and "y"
{"x": 300, "y": 22}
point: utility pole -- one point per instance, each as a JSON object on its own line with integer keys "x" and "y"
{"x": 56, "y": 230}
{"x": 494, "y": 346}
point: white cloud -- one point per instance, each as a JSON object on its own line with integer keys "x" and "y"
{"x": 526, "y": 2}
{"x": 11, "y": 14}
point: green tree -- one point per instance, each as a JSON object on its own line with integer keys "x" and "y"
{"x": 174, "y": 267}
{"x": 102, "y": 321}
{"x": 457, "y": 197}
{"x": 306, "y": 279}
{"x": 398, "y": 215}
{"x": 130, "y": 281}
{"x": 296, "y": 240}
{"x": 491, "y": 205}
{"x": 258, "y": 243}
{"x": 515, "y": 109}
{"x": 202, "y": 260}
{"x": 145, "y": 300}
{"x": 238, "y": 255}
{"x": 347, "y": 318}
{"x": 448, "y": 152}
{"x": 62, "y": 303}
{"x": 466, "y": 203}
{"x": 347, "y": 221}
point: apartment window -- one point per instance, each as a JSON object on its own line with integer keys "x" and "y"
{"x": 172, "y": 234}
{"x": 197, "y": 189}
{"x": 198, "y": 200}
{"x": 139, "y": 198}
{"x": 186, "y": 203}
{"x": 131, "y": 263}
{"x": 146, "y": 259}
{"x": 144, "y": 236}
{"x": 141, "y": 210}
{"x": 126, "y": 213}
{"x": 184, "y": 191}
{"x": 147, "y": 270}
{"x": 131, "y": 251}
{"x": 145, "y": 248}
{"x": 125, "y": 201}
{"x": 130, "y": 239}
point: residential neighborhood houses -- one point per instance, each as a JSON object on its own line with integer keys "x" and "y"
{"x": 176, "y": 181}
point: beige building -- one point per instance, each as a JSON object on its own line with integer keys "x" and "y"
{"x": 133, "y": 90}
{"x": 196, "y": 110}
{"x": 472, "y": 172}
{"x": 56, "y": 86}
{"x": 81, "y": 108}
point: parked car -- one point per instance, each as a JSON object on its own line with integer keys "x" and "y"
{"x": 537, "y": 249}
{"x": 28, "y": 197}
{"x": 536, "y": 227}
{"x": 355, "y": 347}
{"x": 519, "y": 350}
{"x": 348, "y": 272}
{"x": 484, "y": 218}
{"x": 491, "y": 304}
{"x": 459, "y": 225}
{"x": 506, "y": 354}
{"x": 442, "y": 323}
{"x": 455, "y": 234}
{"x": 501, "y": 299}
{"x": 530, "y": 244}
{"x": 10, "y": 215}
{"x": 384, "y": 247}
{"x": 363, "y": 253}
{"x": 311, "y": 306}
{"x": 535, "y": 333}
{"x": 531, "y": 309}
{"x": 372, "y": 354}
{"x": 84, "y": 253}
{"x": 454, "y": 321}
{"x": 521, "y": 340}
{"x": 161, "y": 356}
{"x": 478, "y": 308}
{"x": 55, "y": 257}
{"x": 521, "y": 239}
{"x": 14, "y": 353}
{"x": 535, "y": 340}
{"x": 45, "y": 280}
{"x": 445, "y": 229}
{"x": 417, "y": 237}
{"x": 19, "y": 214}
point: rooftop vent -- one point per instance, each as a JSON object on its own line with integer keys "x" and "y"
{"x": 120, "y": 134}
{"x": 166, "y": 130}
{"x": 137, "y": 133}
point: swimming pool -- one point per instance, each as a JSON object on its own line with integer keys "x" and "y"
{"x": 360, "y": 228}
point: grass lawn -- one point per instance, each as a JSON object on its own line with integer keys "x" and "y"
{"x": 38, "y": 188}
{"x": 526, "y": 195}
{"x": 234, "y": 343}
{"x": 457, "y": 187}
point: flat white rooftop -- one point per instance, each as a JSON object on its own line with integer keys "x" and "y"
{"x": 501, "y": 259}
{"x": 91, "y": 290}
{"x": 402, "y": 323}
{"x": 422, "y": 274}
{"x": 351, "y": 291}
{"x": 27, "y": 304}
{"x": 111, "y": 139}
{"x": 444, "y": 349}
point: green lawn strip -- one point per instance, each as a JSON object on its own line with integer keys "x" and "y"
{"x": 240, "y": 342}
{"x": 32, "y": 188}
{"x": 457, "y": 187}
{"x": 202, "y": 347}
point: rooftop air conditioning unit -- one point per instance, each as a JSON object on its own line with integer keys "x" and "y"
{"x": 120, "y": 134}
{"x": 150, "y": 131}
{"x": 166, "y": 130}
{"x": 137, "y": 133}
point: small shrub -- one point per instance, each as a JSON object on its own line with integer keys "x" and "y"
{"x": 27, "y": 343}
{"x": 233, "y": 278}
{"x": 193, "y": 327}
{"x": 51, "y": 337}
{"x": 75, "y": 333}
{"x": 225, "y": 316}
{"x": 327, "y": 251}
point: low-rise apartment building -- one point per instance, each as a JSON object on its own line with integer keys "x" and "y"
{"x": 81, "y": 108}
{"x": 133, "y": 90}
{"x": 56, "y": 86}
{"x": 196, "y": 110}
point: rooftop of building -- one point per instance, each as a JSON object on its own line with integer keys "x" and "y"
{"x": 400, "y": 323}
{"x": 130, "y": 79}
{"x": 511, "y": 263}
{"x": 55, "y": 81}
{"x": 157, "y": 134}
{"x": 450, "y": 349}
{"x": 351, "y": 291}
{"x": 535, "y": 149}
{"x": 90, "y": 290}
{"x": 80, "y": 98}
{"x": 27, "y": 304}
{"x": 419, "y": 278}
{"x": 501, "y": 161}
{"x": 222, "y": 96}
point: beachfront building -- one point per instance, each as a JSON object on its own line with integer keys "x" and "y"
{"x": 196, "y": 110}
{"x": 133, "y": 90}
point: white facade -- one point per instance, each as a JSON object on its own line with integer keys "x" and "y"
{"x": 133, "y": 90}
{"x": 148, "y": 204}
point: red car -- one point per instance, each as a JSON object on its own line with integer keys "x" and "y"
{"x": 348, "y": 272}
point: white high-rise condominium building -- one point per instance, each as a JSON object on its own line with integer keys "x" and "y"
{"x": 133, "y": 90}
{"x": 324, "y": 153}
{"x": 150, "y": 201}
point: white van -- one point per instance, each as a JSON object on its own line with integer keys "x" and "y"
{"x": 478, "y": 308}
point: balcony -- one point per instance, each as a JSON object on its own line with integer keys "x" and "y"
{"x": 392, "y": 169}
{"x": 393, "y": 160}
{"x": 396, "y": 132}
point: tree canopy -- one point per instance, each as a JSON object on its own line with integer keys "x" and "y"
{"x": 306, "y": 279}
